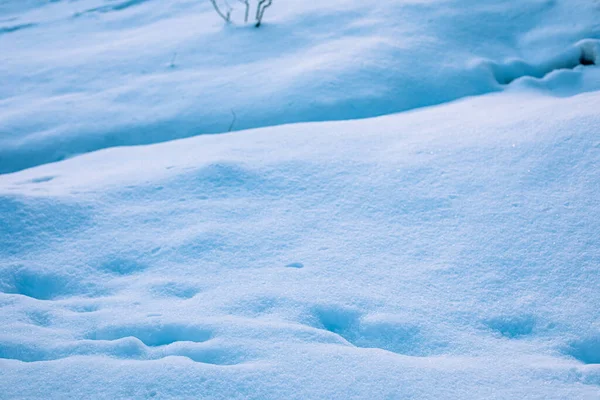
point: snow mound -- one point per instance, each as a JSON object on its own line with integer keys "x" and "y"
{"x": 447, "y": 252}
{"x": 114, "y": 73}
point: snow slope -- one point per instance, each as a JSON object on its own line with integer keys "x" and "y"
{"x": 77, "y": 76}
{"x": 450, "y": 252}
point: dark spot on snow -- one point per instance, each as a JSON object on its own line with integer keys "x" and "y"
{"x": 586, "y": 59}
{"x": 295, "y": 265}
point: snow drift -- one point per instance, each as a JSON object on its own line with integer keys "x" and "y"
{"x": 450, "y": 252}
{"x": 85, "y": 75}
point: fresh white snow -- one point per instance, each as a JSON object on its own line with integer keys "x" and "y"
{"x": 444, "y": 252}
{"x": 77, "y": 76}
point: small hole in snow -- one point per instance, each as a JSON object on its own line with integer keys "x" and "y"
{"x": 585, "y": 59}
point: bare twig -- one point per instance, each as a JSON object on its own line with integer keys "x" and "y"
{"x": 224, "y": 9}
{"x": 225, "y": 16}
{"x": 260, "y": 10}
{"x": 172, "y": 64}
{"x": 247, "y": 4}
{"x": 232, "y": 121}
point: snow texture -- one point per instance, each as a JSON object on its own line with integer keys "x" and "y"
{"x": 78, "y": 76}
{"x": 447, "y": 252}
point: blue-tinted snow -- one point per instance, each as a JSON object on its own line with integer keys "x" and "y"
{"x": 449, "y": 252}
{"x": 77, "y": 76}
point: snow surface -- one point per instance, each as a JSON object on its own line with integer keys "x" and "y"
{"x": 448, "y": 252}
{"x": 77, "y": 76}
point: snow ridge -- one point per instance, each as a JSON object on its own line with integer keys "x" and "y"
{"x": 139, "y": 72}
